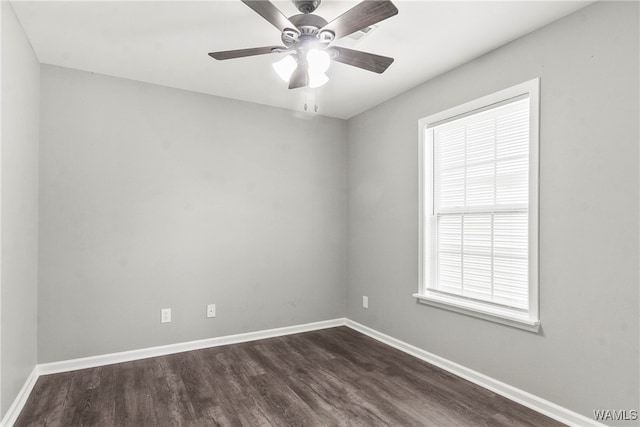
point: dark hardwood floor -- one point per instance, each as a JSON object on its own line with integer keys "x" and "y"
{"x": 332, "y": 377}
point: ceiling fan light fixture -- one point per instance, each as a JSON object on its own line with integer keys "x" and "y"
{"x": 284, "y": 68}
{"x": 310, "y": 36}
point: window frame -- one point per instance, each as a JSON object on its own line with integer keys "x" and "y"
{"x": 529, "y": 320}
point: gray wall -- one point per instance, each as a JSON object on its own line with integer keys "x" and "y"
{"x": 587, "y": 354}
{"x": 152, "y": 197}
{"x": 19, "y": 208}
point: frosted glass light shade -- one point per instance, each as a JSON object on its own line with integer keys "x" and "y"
{"x": 285, "y": 67}
{"x": 318, "y": 60}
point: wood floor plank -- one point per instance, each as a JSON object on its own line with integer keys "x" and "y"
{"x": 331, "y": 377}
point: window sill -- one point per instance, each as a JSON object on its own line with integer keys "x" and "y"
{"x": 482, "y": 311}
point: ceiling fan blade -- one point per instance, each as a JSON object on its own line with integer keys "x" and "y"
{"x": 367, "y": 61}
{"x": 361, "y": 16}
{"x": 300, "y": 77}
{"x": 268, "y": 11}
{"x": 240, "y": 53}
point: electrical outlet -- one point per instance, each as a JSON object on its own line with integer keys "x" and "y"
{"x": 211, "y": 310}
{"x": 365, "y": 302}
{"x": 165, "y": 315}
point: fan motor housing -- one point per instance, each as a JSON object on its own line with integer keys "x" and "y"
{"x": 308, "y": 26}
{"x": 308, "y": 20}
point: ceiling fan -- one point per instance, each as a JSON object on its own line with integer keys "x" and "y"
{"x": 307, "y": 38}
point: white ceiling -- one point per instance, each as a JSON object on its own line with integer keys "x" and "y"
{"x": 166, "y": 43}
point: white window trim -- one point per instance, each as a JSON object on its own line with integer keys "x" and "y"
{"x": 529, "y": 320}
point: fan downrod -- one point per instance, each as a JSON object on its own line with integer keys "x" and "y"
{"x": 306, "y": 6}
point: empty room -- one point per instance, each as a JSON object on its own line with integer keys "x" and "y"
{"x": 319, "y": 213}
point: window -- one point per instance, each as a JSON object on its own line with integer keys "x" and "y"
{"x": 479, "y": 207}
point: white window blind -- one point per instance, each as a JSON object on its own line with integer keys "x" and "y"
{"x": 480, "y": 205}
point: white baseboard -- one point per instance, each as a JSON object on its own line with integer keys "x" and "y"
{"x": 21, "y": 399}
{"x": 127, "y": 356}
{"x": 522, "y": 397}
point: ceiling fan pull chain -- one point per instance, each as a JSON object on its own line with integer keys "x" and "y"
{"x": 315, "y": 92}
{"x": 306, "y": 98}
